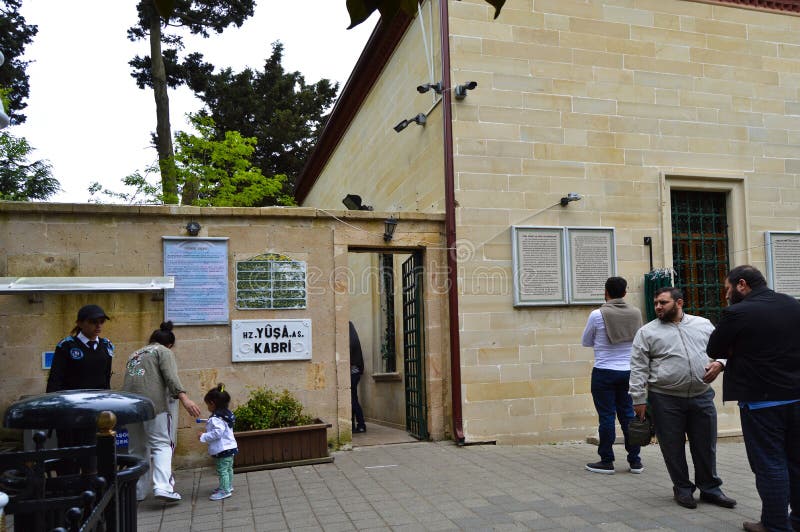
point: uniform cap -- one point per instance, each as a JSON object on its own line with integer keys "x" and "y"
{"x": 91, "y": 312}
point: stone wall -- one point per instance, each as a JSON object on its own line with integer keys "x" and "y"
{"x": 620, "y": 101}
{"x": 38, "y": 239}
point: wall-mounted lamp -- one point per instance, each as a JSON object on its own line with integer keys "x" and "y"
{"x": 193, "y": 228}
{"x": 353, "y": 203}
{"x": 425, "y": 87}
{"x": 461, "y": 90}
{"x": 572, "y": 196}
{"x": 389, "y": 225}
{"x": 420, "y": 119}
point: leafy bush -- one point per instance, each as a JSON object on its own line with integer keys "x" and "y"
{"x": 268, "y": 409}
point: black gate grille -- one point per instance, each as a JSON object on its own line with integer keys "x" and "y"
{"x": 700, "y": 250}
{"x": 416, "y": 410}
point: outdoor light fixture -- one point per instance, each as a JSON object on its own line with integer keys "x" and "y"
{"x": 437, "y": 87}
{"x": 193, "y": 228}
{"x": 389, "y": 225}
{"x": 353, "y": 203}
{"x": 461, "y": 90}
{"x": 419, "y": 119}
{"x": 572, "y": 196}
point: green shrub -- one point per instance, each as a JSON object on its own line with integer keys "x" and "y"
{"x": 267, "y": 409}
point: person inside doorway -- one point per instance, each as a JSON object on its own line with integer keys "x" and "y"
{"x": 356, "y": 370}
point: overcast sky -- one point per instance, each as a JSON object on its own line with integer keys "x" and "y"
{"x": 89, "y": 119}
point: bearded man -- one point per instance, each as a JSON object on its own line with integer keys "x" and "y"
{"x": 760, "y": 334}
{"x": 670, "y": 368}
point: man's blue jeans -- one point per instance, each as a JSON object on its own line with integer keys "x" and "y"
{"x": 772, "y": 439}
{"x": 610, "y": 394}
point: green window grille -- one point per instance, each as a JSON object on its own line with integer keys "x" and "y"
{"x": 388, "y": 351}
{"x": 700, "y": 250}
{"x": 270, "y": 281}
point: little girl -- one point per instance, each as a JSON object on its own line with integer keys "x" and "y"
{"x": 220, "y": 440}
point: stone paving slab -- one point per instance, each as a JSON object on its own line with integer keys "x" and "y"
{"x": 440, "y": 486}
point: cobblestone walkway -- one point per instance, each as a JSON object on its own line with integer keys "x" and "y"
{"x": 439, "y": 486}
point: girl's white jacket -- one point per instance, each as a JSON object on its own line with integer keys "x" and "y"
{"x": 218, "y": 436}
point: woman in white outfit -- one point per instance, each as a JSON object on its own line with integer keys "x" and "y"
{"x": 152, "y": 372}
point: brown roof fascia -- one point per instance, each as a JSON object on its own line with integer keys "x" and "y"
{"x": 786, "y": 7}
{"x": 370, "y": 64}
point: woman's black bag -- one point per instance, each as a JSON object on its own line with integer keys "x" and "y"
{"x": 640, "y": 432}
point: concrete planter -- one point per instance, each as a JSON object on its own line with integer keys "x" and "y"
{"x": 283, "y": 447}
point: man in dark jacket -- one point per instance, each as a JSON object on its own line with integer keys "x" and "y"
{"x": 356, "y": 370}
{"x": 759, "y": 334}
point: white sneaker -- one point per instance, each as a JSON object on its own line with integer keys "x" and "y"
{"x": 218, "y": 495}
{"x": 166, "y": 496}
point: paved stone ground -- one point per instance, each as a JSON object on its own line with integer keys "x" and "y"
{"x": 439, "y": 486}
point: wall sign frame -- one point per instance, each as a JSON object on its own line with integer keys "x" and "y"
{"x": 270, "y": 340}
{"x": 561, "y": 265}
{"x": 200, "y": 268}
{"x": 783, "y": 261}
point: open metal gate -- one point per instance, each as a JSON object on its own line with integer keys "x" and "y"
{"x": 413, "y": 348}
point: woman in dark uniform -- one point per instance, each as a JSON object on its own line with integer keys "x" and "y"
{"x": 82, "y": 360}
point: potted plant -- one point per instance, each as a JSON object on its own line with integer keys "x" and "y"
{"x": 272, "y": 431}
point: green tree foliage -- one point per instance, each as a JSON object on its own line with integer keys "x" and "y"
{"x": 15, "y": 35}
{"x": 360, "y": 10}
{"x": 199, "y": 17}
{"x": 21, "y": 180}
{"x": 142, "y": 190}
{"x": 220, "y": 173}
{"x": 277, "y": 108}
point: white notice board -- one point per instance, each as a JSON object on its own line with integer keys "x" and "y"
{"x": 200, "y": 268}
{"x": 270, "y": 340}
{"x": 783, "y": 261}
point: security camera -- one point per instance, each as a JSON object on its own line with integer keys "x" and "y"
{"x": 461, "y": 90}
{"x": 425, "y": 87}
{"x": 401, "y": 126}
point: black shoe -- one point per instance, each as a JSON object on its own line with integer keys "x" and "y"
{"x": 636, "y": 467}
{"x": 605, "y": 468}
{"x": 360, "y": 429}
{"x": 754, "y": 526}
{"x": 685, "y": 499}
{"x": 720, "y": 500}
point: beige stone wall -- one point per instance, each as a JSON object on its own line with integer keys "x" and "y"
{"x": 617, "y": 100}
{"x": 393, "y": 171}
{"x": 39, "y": 239}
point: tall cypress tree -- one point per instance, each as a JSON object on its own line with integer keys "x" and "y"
{"x": 199, "y": 17}
{"x": 278, "y": 108}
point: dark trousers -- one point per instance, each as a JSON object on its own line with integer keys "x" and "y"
{"x": 772, "y": 439}
{"x": 358, "y": 414}
{"x": 610, "y": 394}
{"x": 677, "y": 418}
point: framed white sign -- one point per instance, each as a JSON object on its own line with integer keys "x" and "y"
{"x": 783, "y": 261}
{"x": 592, "y": 260}
{"x": 270, "y": 340}
{"x": 562, "y": 265}
{"x": 200, "y": 268}
{"x": 539, "y": 266}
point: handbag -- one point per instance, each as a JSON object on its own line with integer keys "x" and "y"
{"x": 640, "y": 432}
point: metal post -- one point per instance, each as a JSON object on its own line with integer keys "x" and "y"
{"x": 107, "y": 462}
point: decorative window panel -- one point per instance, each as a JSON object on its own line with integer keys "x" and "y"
{"x": 270, "y": 281}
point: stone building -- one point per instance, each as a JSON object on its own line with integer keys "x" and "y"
{"x": 675, "y": 122}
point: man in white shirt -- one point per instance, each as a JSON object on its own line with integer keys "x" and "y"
{"x": 610, "y": 331}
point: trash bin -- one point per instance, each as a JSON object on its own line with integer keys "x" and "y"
{"x": 40, "y": 501}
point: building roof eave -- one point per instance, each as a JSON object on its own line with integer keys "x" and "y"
{"x": 376, "y": 54}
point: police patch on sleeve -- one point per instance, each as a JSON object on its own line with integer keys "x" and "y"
{"x": 76, "y": 353}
